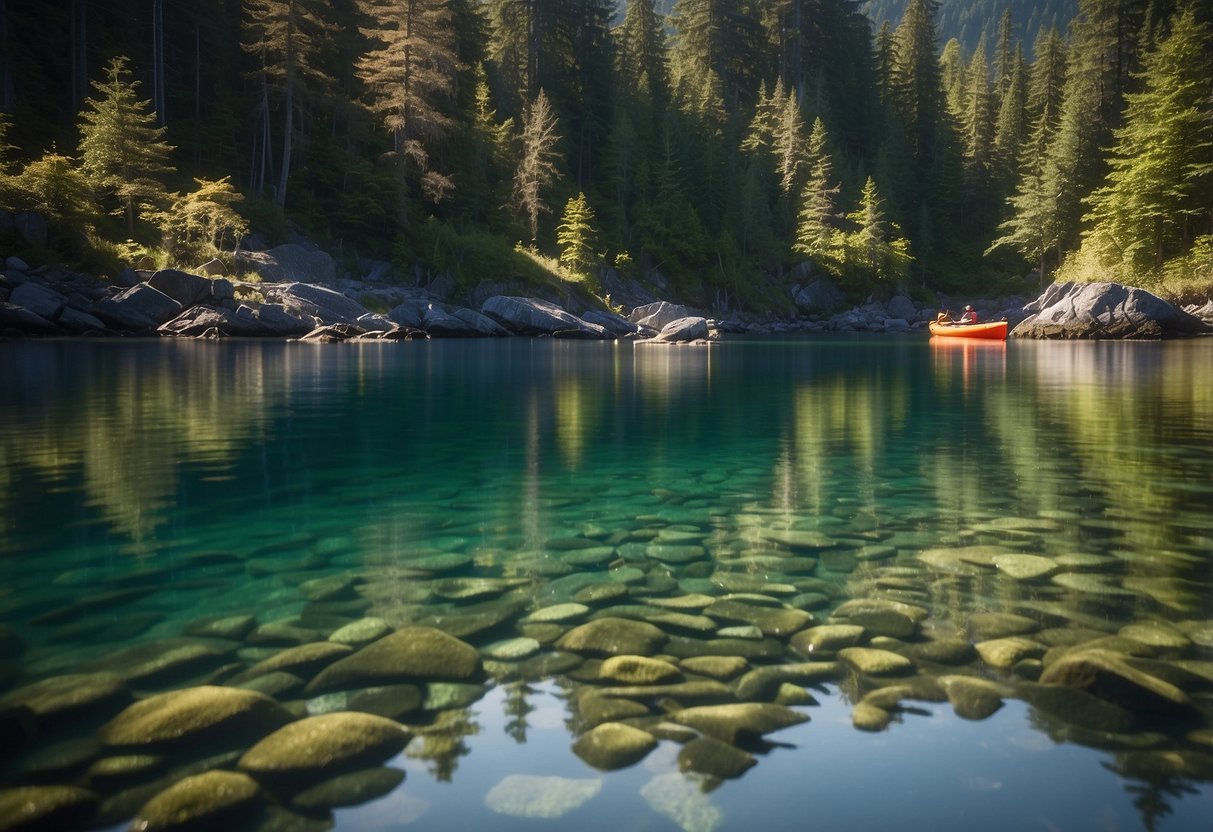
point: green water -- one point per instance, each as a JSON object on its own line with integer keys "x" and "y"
{"x": 147, "y": 485}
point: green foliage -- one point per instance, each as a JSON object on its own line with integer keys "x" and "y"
{"x": 204, "y": 222}
{"x": 816, "y": 232}
{"x": 576, "y": 235}
{"x": 876, "y": 248}
{"x": 55, "y": 186}
{"x": 122, "y": 153}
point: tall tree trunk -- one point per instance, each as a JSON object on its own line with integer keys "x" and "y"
{"x": 288, "y": 131}
{"x": 158, "y": 60}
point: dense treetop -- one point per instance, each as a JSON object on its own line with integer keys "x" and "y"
{"x": 710, "y": 146}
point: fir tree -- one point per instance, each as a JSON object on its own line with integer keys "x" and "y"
{"x": 576, "y": 235}
{"x": 640, "y": 53}
{"x": 122, "y": 151}
{"x": 537, "y": 161}
{"x": 815, "y": 229}
{"x": 1161, "y": 176}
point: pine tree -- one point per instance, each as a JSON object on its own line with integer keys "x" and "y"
{"x": 876, "y": 246}
{"x": 721, "y": 38}
{"x": 122, "y": 151}
{"x": 815, "y": 229}
{"x": 409, "y": 71}
{"x": 576, "y": 236}
{"x": 1004, "y": 55}
{"x": 286, "y": 36}
{"x": 1161, "y": 169}
{"x": 640, "y": 54}
{"x": 789, "y": 144}
{"x": 978, "y": 121}
{"x": 537, "y": 161}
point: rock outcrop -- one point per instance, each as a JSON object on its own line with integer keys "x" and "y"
{"x": 1093, "y": 311}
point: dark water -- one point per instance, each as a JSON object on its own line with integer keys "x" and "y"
{"x": 144, "y": 486}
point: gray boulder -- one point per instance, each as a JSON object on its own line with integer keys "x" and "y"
{"x": 896, "y": 325}
{"x": 213, "y": 268}
{"x": 900, "y": 306}
{"x": 305, "y": 299}
{"x": 617, "y": 325}
{"x": 684, "y": 329}
{"x": 1104, "y": 310}
{"x": 821, "y": 295}
{"x": 222, "y": 289}
{"x": 197, "y": 320}
{"x": 530, "y": 316}
{"x": 20, "y": 319}
{"x": 139, "y": 309}
{"x": 410, "y": 313}
{"x": 43, "y": 301}
{"x": 657, "y": 315}
{"x": 185, "y": 288}
{"x": 373, "y": 322}
{"x": 481, "y": 324}
{"x": 16, "y": 264}
{"x": 291, "y": 262}
{"x": 77, "y": 320}
{"x": 269, "y": 320}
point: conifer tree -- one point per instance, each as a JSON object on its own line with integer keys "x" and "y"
{"x": 1010, "y": 130}
{"x": 409, "y": 70}
{"x": 122, "y": 151}
{"x": 978, "y": 121}
{"x": 286, "y": 35}
{"x": 536, "y": 162}
{"x": 1160, "y": 183}
{"x": 876, "y": 246}
{"x": 789, "y": 144}
{"x": 576, "y": 235}
{"x": 640, "y": 53}
{"x": 815, "y": 229}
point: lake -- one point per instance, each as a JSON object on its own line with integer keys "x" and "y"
{"x": 976, "y": 518}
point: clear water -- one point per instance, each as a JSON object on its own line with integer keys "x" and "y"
{"x": 144, "y": 485}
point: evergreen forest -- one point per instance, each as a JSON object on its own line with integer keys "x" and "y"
{"x": 718, "y": 149}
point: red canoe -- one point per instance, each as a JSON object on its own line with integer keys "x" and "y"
{"x": 991, "y": 330}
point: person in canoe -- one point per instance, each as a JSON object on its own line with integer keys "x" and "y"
{"x": 945, "y": 318}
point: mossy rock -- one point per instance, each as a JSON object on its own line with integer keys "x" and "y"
{"x": 876, "y": 662}
{"x": 45, "y": 808}
{"x": 123, "y": 770}
{"x": 163, "y": 662}
{"x": 511, "y": 649}
{"x": 613, "y": 745}
{"x": 350, "y": 789}
{"x": 182, "y": 717}
{"x": 972, "y": 698}
{"x": 304, "y": 660}
{"x": 1076, "y": 707}
{"x": 361, "y": 632}
{"x": 715, "y": 667}
{"x": 201, "y": 802}
{"x": 738, "y": 722}
{"x": 1025, "y": 567}
{"x": 991, "y": 625}
{"x": 826, "y": 639}
{"x": 764, "y": 682}
{"x": 701, "y": 691}
{"x": 278, "y": 684}
{"x": 409, "y": 654}
{"x": 613, "y": 637}
{"x": 71, "y": 694}
{"x": 320, "y": 747}
{"x": 776, "y": 622}
{"x": 947, "y": 650}
{"x": 714, "y": 758}
{"x": 1004, "y": 653}
{"x": 638, "y": 670}
{"x": 441, "y": 696}
{"x": 1107, "y": 676}
{"x": 868, "y": 717}
{"x": 233, "y": 627}
{"x": 596, "y": 708}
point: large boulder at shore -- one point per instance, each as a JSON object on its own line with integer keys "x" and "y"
{"x": 304, "y": 300}
{"x": 43, "y": 301}
{"x": 531, "y": 316}
{"x": 820, "y": 295}
{"x": 684, "y": 329}
{"x": 617, "y": 325}
{"x": 1104, "y": 310}
{"x": 141, "y": 308}
{"x": 185, "y": 288}
{"x": 289, "y": 263}
{"x": 461, "y": 323}
{"x": 657, "y": 315}
{"x": 19, "y": 319}
{"x": 271, "y": 320}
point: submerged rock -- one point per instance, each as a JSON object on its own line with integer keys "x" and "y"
{"x": 61, "y": 696}
{"x": 533, "y": 796}
{"x": 49, "y": 808}
{"x": 350, "y": 789}
{"x": 201, "y": 801}
{"x": 638, "y": 670}
{"x": 319, "y": 747}
{"x": 1106, "y": 675}
{"x": 191, "y": 715}
{"x": 613, "y": 745}
{"x": 737, "y": 722}
{"x": 971, "y": 698}
{"x": 876, "y": 662}
{"x": 613, "y": 637}
{"x": 411, "y": 653}
{"x": 683, "y": 801}
{"x": 710, "y": 756}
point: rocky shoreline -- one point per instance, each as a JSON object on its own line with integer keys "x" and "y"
{"x": 40, "y": 302}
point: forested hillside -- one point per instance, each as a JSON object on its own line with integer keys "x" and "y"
{"x": 712, "y": 151}
{"x": 969, "y": 20}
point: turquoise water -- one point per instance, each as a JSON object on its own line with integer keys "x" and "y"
{"x": 148, "y": 485}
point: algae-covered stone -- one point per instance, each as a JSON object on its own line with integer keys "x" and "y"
{"x": 410, "y": 653}
{"x": 710, "y": 756}
{"x": 945, "y": 650}
{"x": 361, "y": 632}
{"x": 739, "y": 721}
{"x": 716, "y": 667}
{"x": 1156, "y": 634}
{"x": 73, "y": 693}
{"x": 1107, "y": 676}
{"x": 511, "y": 649}
{"x": 613, "y": 637}
{"x": 826, "y": 639}
{"x": 1076, "y": 707}
{"x": 303, "y": 660}
{"x": 777, "y": 622}
{"x": 533, "y": 796}
{"x": 45, "y": 808}
{"x": 764, "y": 682}
{"x": 683, "y": 801}
{"x": 199, "y": 802}
{"x": 321, "y": 746}
{"x": 991, "y": 625}
{"x": 440, "y": 696}
{"x": 613, "y": 745}
{"x": 123, "y": 769}
{"x": 972, "y": 698}
{"x": 558, "y": 612}
{"x": 441, "y": 563}
{"x": 600, "y": 593}
{"x": 278, "y": 684}
{"x": 867, "y": 717}
{"x": 350, "y": 789}
{"x": 881, "y": 616}
{"x": 802, "y": 540}
{"x": 1003, "y": 653}
{"x": 638, "y": 670}
{"x": 234, "y": 627}
{"x": 162, "y": 662}
{"x": 876, "y": 662}
{"x": 596, "y": 708}
{"x": 195, "y": 714}
{"x": 1025, "y": 567}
